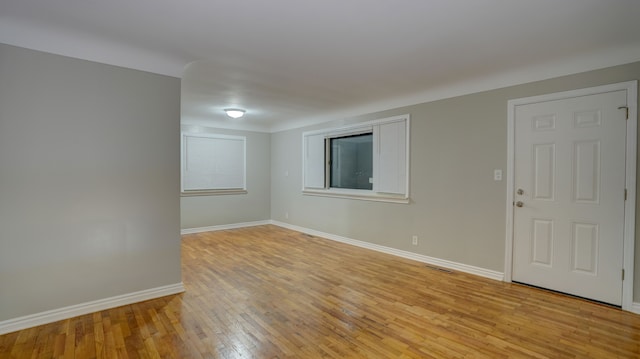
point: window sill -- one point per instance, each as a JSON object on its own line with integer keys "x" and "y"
{"x": 359, "y": 195}
{"x": 216, "y": 192}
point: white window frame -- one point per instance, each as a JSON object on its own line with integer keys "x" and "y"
{"x": 389, "y": 185}
{"x": 238, "y": 188}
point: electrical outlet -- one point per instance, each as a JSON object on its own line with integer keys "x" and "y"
{"x": 414, "y": 240}
{"x": 497, "y": 175}
{"x": 286, "y": 215}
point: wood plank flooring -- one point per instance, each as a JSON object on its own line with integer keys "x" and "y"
{"x": 267, "y": 292}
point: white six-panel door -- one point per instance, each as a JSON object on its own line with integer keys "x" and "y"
{"x": 569, "y": 188}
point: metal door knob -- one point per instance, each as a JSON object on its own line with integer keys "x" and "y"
{"x": 520, "y": 191}
{"x": 519, "y": 204}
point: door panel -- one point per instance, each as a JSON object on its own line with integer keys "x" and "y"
{"x": 542, "y": 242}
{"x": 570, "y": 166}
{"x": 584, "y": 247}
{"x": 544, "y": 173}
{"x": 586, "y": 177}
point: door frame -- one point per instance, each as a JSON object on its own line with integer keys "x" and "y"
{"x": 630, "y": 179}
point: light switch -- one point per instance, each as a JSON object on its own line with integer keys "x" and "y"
{"x": 497, "y": 175}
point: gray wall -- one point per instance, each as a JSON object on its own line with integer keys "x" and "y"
{"x": 457, "y": 209}
{"x": 205, "y": 211}
{"x": 89, "y": 181}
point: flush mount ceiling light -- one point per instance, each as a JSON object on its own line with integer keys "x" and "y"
{"x": 234, "y": 112}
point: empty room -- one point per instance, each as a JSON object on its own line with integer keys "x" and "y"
{"x": 330, "y": 179}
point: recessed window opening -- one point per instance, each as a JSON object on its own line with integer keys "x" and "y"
{"x": 213, "y": 164}
{"x": 364, "y": 161}
{"x": 351, "y": 162}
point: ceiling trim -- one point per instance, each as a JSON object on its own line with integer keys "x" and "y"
{"x": 568, "y": 66}
{"x": 237, "y": 125}
{"x": 92, "y": 48}
{"x": 83, "y": 46}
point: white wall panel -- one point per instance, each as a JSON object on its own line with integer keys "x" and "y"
{"x": 392, "y": 157}
{"x": 314, "y": 162}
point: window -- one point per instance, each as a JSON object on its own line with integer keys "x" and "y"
{"x": 351, "y": 161}
{"x": 213, "y": 164}
{"x": 366, "y": 161}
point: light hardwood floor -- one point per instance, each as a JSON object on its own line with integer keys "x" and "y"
{"x": 268, "y": 292}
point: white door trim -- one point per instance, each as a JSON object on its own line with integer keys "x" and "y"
{"x": 630, "y": 204}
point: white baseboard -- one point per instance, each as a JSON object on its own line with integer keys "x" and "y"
{"x": 55, "y": 315}
{"x": 635, "y": 308}
{"x": 223, "y": 227}
{"x": 487, "y": 273}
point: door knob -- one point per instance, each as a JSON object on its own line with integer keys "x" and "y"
{"x": 520, "y": 191}
{"x": 519, "y": 204}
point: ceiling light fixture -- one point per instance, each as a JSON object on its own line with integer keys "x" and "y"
{"x": 234, "y": 112}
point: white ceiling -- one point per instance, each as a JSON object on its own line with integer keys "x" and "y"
{"x": 293, "y": 62}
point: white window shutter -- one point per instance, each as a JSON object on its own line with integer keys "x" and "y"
{"x": 391, "y": 158}
{"x": 213, "y": 162}
{"x": 314, "y": 164}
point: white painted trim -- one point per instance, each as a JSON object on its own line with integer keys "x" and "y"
{"x": 487, "y": 273}
{"x": 213, "y": 138}
{"x": 352, "y": 129}
{"x": 223, "y": 227}
{"x": 635, "y": 307}
{"x": 39, "y": 37}
{"x": 353, "y": 194}
{"x": 508, "y": 247}
{"x": 630, "y": 205}
{"x": 55, "y": 40}
{"x": 358, "y": 127}
{"x": 55, "y": 315}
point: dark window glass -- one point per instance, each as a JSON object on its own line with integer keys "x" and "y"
{"x": 352, "y": 162}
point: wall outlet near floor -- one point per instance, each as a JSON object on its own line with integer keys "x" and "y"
{"x": 414, "y": 240}
{"x": 497, "y": 175}
{"x": 286, "y": 215}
